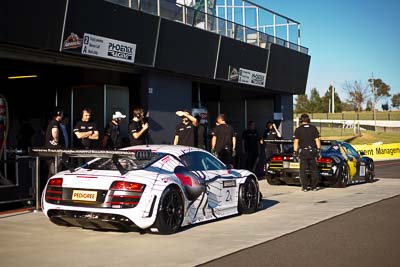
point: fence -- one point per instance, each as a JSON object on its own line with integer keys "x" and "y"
{"x": 365, "y": 115}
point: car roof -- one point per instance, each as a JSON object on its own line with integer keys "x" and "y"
{"x": 175, "y": 150}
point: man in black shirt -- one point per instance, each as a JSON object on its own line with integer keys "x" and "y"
{"x": 54, "y": 138}
{"x": 138, "y": 128}
{"x": 86, "y": 131}
{"x": 307, "y": 145}
{"x": 184, "y": 132}
{"x": 223, "y": 142}
{"x": 200, "y": 134}
{"x": 250, "y": 145}
{"x": 270, "y": 133}
{"x": 112, "y": 139}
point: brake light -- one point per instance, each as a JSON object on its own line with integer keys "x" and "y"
{"x": 127, "y": 186}
{"x": 324, "y": 160}
{"x": 54, "y": 191}
{"x": 277, "y": 158}
{"x": 56, "y": 182}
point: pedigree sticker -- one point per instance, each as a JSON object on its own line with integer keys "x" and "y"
{"x": 380, "y": 152}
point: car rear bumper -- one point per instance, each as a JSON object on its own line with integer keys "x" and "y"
{"x": 92, "y": 220}
{"x": 292, "y": 177}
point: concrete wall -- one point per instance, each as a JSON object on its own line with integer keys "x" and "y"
{"x": 287, "y": 113}
{"x": 166, "y": 95}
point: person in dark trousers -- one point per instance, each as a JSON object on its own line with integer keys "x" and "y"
{"x": 54, "y": 139}
{"x": 64, "y": 129}
{"x": 250, "y": 146}
{"x": 223, "y": 141}
{"x": 138, "y": 128}
{"x": 270, "y": 133}
{"x": 200, "y": 134}
{"x": 112, "y": 134}
{"x": 307, "y": 145}
{"x": 184, "y": 132}
{"x": 86, "y": 131}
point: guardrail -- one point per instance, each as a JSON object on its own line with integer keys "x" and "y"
{"x": 207, "y": 21}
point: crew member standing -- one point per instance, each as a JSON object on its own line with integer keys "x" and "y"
{"x": 271, "y": 133}
{"x": 112, "y": 138}
{"x": 86, "y": 131}
{"x": 184, "y": 132}
{"x": 54, "y": 138}
{"x": 250, "y": 146}
{"x": 307, "y": 145}
{"x": 223, "y": 141}
{"x": 138, "y": 128}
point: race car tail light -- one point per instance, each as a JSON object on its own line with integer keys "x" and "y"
{"x": 324, "y": 160}
{"x": 277, "y": 158}
{"x": 125, "y": 194}
{"x": 54, "y": 191}
{"x": 127, "y": 186}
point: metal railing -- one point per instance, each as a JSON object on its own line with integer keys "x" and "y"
{"x": 206, "y": 20}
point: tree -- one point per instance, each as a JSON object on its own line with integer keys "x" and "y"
{"x": 325, "y": 101}
{"x": 381, "y": 89}
{"x": 302, "y": 104}
{"x": 349, "y": 106}
{"x": 385, "y": 106}
{"x": 396, "y": 101}
{"x": 357, "y": 93}
{"x": 369, "y": 106}
{"x": 315, "y": 101}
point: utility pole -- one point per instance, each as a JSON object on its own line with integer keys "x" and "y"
{"x": 374, "y": 101}
{"x": 333, "y": 98}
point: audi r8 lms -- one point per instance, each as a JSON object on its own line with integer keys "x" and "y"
{"x": 339, "y": 165}
{"x": 159, "y": 188}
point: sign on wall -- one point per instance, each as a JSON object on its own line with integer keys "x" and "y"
{"x": 252, "y": 77}
{"x": 98, "y": 46}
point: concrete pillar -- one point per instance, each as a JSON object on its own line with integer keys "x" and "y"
{"x": 165, "y": 95}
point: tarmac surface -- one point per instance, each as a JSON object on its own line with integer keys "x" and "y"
{"x": 30, "y": 239}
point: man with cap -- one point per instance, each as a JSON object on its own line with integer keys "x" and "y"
{"x": 54, "y": 139}
{"x": 184, "y": 132}
{"x": 112, "y": 138}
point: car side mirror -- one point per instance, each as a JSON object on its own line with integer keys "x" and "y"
{"x": 362, "y": 153}
{"x": 229, "y": 166}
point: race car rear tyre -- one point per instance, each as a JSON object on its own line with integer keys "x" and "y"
{"x": 343, "y": 177}
{"x": 248, "y": 196}
{"x": 170, "y": 212}
{"x": 369, "y": 176}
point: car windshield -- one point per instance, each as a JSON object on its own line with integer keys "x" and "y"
{"x": 127, "y": 162}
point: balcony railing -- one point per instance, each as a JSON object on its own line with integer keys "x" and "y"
{"x": 204, "y": 18}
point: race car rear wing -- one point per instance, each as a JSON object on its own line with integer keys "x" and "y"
{"x": 66, "y": 154}
{"x": 290, "y": 141}
{"x": 279, "y": 141}
{"x": 93, "y": 153}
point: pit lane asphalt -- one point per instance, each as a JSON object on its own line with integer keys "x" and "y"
{"x": 288, "y": 216}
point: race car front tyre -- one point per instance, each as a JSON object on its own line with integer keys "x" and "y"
{"x": 170, "y": 212}
{"x": 248, "y": 196}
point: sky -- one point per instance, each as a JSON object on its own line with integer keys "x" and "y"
{"x": 348, "y": 40}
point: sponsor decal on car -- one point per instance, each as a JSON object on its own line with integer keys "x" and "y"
{"x": 84, "y": 195}
{"x": 231, "y": 183}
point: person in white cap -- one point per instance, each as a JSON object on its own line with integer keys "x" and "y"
{"x": 112, "y": 138}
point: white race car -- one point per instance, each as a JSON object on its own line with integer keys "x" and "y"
{"x": 157, "y": 187}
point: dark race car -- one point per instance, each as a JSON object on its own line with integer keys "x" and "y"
{"x": 340, "y": 165}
